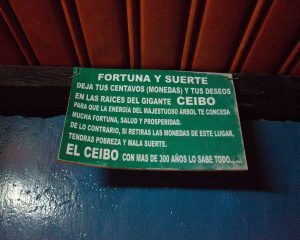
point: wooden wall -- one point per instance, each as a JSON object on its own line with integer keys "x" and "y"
{"x": 210, "y": 35}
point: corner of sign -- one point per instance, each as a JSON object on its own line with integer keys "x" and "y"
{"x": 229, "y": 76}
{"x": 76, "y": 72}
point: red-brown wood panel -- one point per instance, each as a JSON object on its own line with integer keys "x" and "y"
{"x": 275, "y": 39}
{"x": 296, "y": 69}
{"x": 291, "y": 58}
{"x": 132, "y": 11}
{"x": 104, "y": 28}
{"x": 249, "y": 31}
{"x": 220, "y": 33}
{"x": 9, "y": 51}
{"x": 45, "y": 27}
{"x": 163, "y": 26}
{"x": 17, "y": 32}
{"x": 191, "y": 30}
{"x": 70, "y": 13}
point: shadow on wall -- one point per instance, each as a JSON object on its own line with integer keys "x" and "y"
{"x": 272, "y": 157}
{"x": 253, "y": 179}
{"x": 266, "y": 144}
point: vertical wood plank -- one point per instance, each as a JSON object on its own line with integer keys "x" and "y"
{"x": 191, "y": 31}
{"x": 163, "y": 26}
{"x": 222, "y": 24}
{"x": 75, "y": 31}
{"x": 17, "y": 32}
{"x": 9, "y": 51}
{"x": 290, "y": 59}
{"x": 105, "y": 31}
{"x": 296, "y": 69}
{"x": 132, "y": 8}
{"x": 275, "y": 38}
{"x": 246, "y": 39}
{"x": 45, "y": 27}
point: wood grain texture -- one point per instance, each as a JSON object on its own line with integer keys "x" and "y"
{"x": 163, "y": 26}
{"x": 132, "y": 10}
{"x": 44, "y": 91}
{"x": 17, "y": 32}
{"x": 221, "y": 27}
{"x": 296, "y": 69}
{"x": 9, "y": 51}
{"x": 252, "y": 36}
{"x": 273, "y": 97}
{"x": 105, "y": 32}
{"x": 194, "y": 20}
{"x": 75, "y": 31}
{"x": 277, "y": 36}
{"x": 248, "y": 35}
{"x": 45, "y": 28}
{"x": 291, "y": 58}
{"x": 34, "y": 91}
{"x": 35, "y": 76}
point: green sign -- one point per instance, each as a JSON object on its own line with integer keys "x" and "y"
{"x": 151, "y": 119}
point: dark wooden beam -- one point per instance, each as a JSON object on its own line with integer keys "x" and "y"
{"x": 271, "y": 97}
{"x": 34, "y": 91}
{"x": 44, "y": 91}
